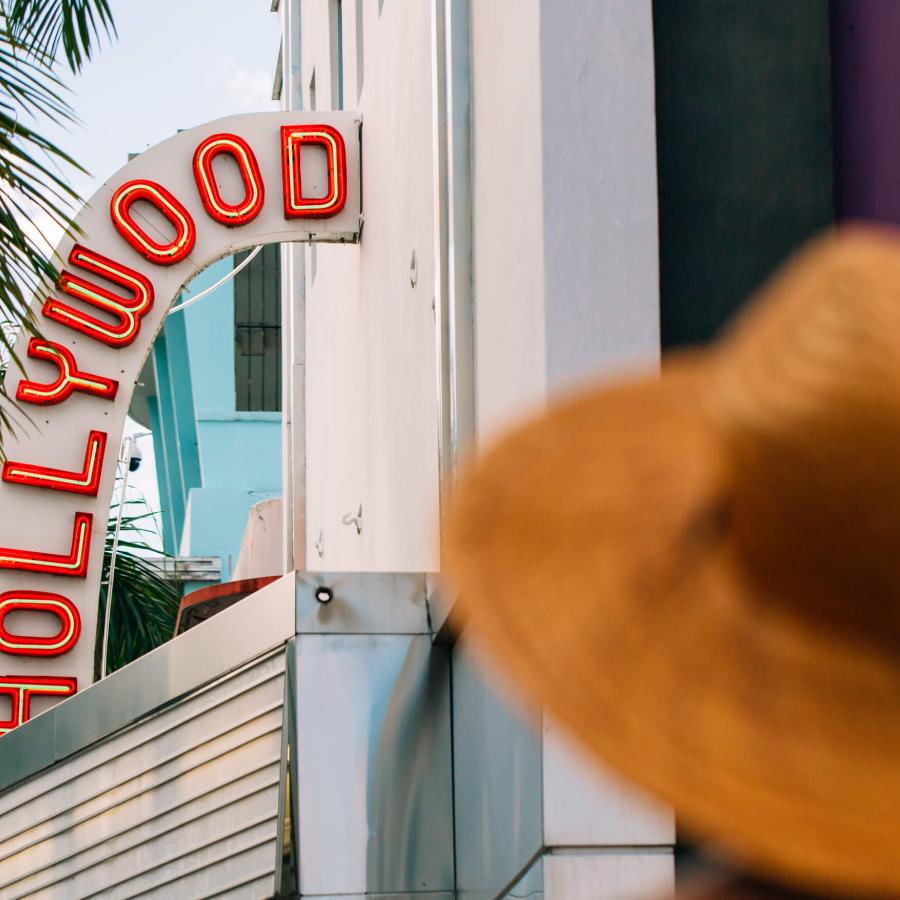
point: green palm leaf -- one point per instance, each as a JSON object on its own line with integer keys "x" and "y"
{"x": 144, "y": 601}
{"x": 35, "y": 173}
{"x": 42, "y": 25}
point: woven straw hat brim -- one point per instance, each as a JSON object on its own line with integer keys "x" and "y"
{"x": 591, "y": 560}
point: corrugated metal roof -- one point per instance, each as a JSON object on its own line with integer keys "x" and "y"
{"x": 182, "y": 804}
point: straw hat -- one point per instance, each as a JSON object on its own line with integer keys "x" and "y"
{"x": 699, "y": 574}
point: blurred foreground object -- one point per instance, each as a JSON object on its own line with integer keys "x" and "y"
{"x": 698, "y": 573}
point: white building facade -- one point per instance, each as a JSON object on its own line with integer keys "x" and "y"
{"x": 508, "y": 253}
{"x": 329, "y": 736}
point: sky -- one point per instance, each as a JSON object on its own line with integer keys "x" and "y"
{"x": 174, "y": 64}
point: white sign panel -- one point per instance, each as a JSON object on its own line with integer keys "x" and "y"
{"x": 201, "y": 195}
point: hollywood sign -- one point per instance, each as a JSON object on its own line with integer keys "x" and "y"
{"x": 198, "y": 196}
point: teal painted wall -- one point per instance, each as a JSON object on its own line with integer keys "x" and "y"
{"x": 213, "y": 463}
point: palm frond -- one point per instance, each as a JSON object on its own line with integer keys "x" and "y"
{"x": 35, "y": 173}
{"x": 42, "y": 25}
{"x": 144, "y": 600}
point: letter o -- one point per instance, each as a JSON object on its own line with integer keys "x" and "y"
{"x": 180, "y": 219}
{"x": 39, "y": 601}
{"x": 254, "y": 190}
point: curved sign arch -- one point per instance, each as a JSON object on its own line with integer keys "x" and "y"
{"x": 202, "y": 194}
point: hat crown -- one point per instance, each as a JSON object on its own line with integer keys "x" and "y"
{"x": 808, "y": 394}
{"x": 705, "y": 531}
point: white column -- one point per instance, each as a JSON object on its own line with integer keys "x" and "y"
{"x": 565, "y": 282}
{"x": 293, "y": 329}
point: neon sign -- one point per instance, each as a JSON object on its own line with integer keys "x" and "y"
{"x": 126, "y": 311}
{"x": 69, "y": 377}
{"x": 254, "y": 191}
{"x": 20, "y": 688}
{"x": 163, "y": 253}
{"x": 73, "y": 563}
{"x": 293, "y": 138}
{"x": 170, "y": 212}
{"x": 85, "y": 481}
{"x": 59, "y": 606}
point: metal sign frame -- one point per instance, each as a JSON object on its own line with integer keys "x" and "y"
{"x": 202, "y": 194}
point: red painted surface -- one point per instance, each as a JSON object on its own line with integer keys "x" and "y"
{"x": 204, "y": 603}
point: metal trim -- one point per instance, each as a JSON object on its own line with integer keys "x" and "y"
{"x": 287, "y": 720}
{"x": 461, "y": 323}
{"x": 291, "y": 731}
{"x": 374, "y": 750}
{"x": 439, "y": 199}
{"x": 453, "y": 236}
{"x": 278, "y": 79}
{"x": 454, "y": 299}
{"x": 293, "y": 324}
{"x": 363, "y": 603}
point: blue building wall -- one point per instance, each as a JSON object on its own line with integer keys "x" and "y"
{"x": 213, "y": 462}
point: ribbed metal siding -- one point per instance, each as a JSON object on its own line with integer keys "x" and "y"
{"x": 182, "y": 804}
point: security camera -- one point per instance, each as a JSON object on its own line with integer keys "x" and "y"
{"x": 136, "y": 456}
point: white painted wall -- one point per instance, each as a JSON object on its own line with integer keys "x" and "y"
{"x": 565, "y": 266}
{"x": 565, "y": 286}
{"x": 566, "y": 272}
{"x": 601, "y": 269}
{"x": 371, "y": 427}
{"x": 565, "y": 278}
{"x": 507, "y": 213}
{"x": 260, "y": 553}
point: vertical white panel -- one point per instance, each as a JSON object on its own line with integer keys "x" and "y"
{"x": 371, "y": 396}
{"x": 315, "y": 52}
{"x": 586, "y": 805}
{"x": 566, "y": 290}
{"x": 293, "y": 324}
{"x": 631, "y": 876}
{"x": 507, "y": 212}
{"x": 601, "y": 258}
{"x": 335, "y": 435}
{"x": 374, "y": 794}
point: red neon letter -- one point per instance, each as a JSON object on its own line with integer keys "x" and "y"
{"x": 127, "y": 310}
{"x": 254, "y": 192}
{"x": 161, "y": 254}
{"x": 55, "y": 604}
{"x": 296, "y": 206}
{"x": 84, "y": 482}
{"x": 70, "y": 378}
{"x": 73, "y": 563}
{"x": 19, "y": 689}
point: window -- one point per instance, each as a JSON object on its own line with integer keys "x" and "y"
{"x": 257, "y": 332}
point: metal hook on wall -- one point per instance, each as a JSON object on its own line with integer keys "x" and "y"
{"x": 356, "y": 520}
{"x": 320, "y": 544}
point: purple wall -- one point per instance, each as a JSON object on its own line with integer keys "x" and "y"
{"x": 865, "y": 44}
